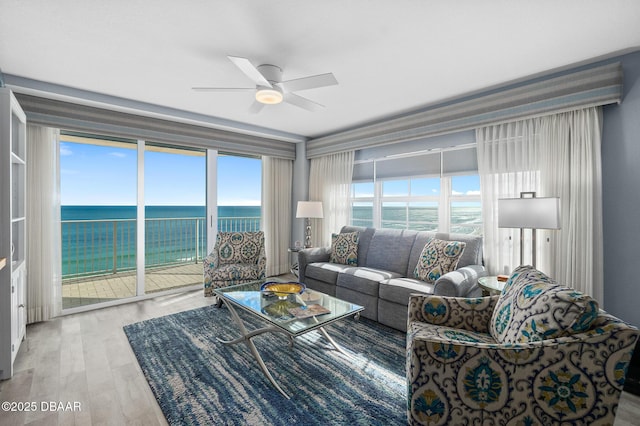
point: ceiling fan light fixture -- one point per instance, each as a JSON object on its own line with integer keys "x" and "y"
{"x": 269, "y": 96}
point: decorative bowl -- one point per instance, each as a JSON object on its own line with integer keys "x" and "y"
{"x": 282, "y": 290}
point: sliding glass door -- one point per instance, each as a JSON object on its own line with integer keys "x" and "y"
{"x": 137, "y": 216}
{"x": 98, "y": 212}
{"x": 175, "y": 208}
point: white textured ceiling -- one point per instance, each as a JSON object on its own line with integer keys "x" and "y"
{"x": 389, "y": 57}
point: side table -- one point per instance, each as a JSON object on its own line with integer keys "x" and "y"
{"x": 490, "y": 285}
{"x": 294, "y": 264}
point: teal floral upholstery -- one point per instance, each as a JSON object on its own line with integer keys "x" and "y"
{"x": 438, "y": 257}
{"x": 237, "y": 258}
{"x": 534, "y": 307}
{"x": 457, "y": 373}
{"x": 344, "y": 248}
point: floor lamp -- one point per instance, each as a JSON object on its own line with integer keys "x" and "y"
{"x": 309, "y": 210}
{"x": 530, "y": 212}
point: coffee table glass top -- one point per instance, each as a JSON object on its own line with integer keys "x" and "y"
{"x": 275, "y": 309}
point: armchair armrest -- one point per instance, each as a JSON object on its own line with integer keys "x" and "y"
{"x": 311, "y": 255}
{"x": 461, "y": 282}
{"x": 212, "y": 259}
{"x": 210, "y": 263}
{"x": 471, "y": 314}
{"x": 567, "y": 380}
{"x": 262, "y": 263}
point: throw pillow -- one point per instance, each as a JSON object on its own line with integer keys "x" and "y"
{"x": 437, "y": 258}
{"x": 344, "y": 248}
{"x": 239, "y": 247}
{"x": 533, "y": 307}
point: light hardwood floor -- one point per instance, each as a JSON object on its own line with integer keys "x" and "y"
{"x": 85, "y": 358}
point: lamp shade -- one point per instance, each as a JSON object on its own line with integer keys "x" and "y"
{"x": 535, "y": 213}
{"x": 310, "y": 209}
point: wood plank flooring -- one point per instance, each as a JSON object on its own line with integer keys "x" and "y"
{"x": 85, "y": 358}
{"x": 105, "y": 288}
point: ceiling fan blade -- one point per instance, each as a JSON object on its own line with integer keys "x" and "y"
{"x": 303, "y": 103}
{"x": 223, "y": 89}
{"x": 305, "y": 83}
{"x": 250, "y": 71}
{"x": 256, "y": 107}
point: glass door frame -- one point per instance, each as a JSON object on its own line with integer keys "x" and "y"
{"x": 212, "y": 227}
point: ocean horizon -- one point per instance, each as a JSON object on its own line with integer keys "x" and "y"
{"x": 93, "y": 212}
{"x": 102, "y": 239}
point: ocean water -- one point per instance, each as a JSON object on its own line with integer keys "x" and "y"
{"x": 129, "y": 212}
{"x": 102, "y": 239}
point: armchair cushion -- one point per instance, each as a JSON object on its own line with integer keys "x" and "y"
{"x": 533, "y": 307}
{"x": 344, "y": 248}
{"x": 457, "y": 373}
{"x": 438, "y": 257}
{"x": 235, "y": 272}
{"x": 239, "y": 247}
{"x": 237, "y": 258}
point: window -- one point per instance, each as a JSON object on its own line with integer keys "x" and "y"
{"x": 362, "y": 194}
{"x": 466, "y": 207}
{"x": 410, "y": 203}
{"x": 239, "y": 193}
{"x": 441, "y": 192}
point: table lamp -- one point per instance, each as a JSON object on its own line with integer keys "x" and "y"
{"x": 309, "y": 210}
{"x": 531, "y": 212}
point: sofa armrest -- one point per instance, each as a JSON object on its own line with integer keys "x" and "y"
{"x": 462, "y": 282}
{"x": 311, "y": 255}
{"x": 472, "y": 314}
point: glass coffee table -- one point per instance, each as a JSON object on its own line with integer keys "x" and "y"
{"x": 274, "y": 310}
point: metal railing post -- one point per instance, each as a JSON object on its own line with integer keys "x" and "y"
{"x": 197, "y": 240}
{"x": 115, "y": 247}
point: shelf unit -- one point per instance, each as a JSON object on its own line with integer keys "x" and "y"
{"x": 13, "y": 174}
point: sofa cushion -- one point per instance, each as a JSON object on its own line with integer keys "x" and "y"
{"x": 389, "y": 250}
{"x": 533, "y": 307}
{"x": 472, "y": 254}
{"x": 397, "y": 290}
{"x": 344, "y": 248}
{"x": 364, "y": 280}
{"x": 438, "y": 258}
{"x": 324, "y": 271}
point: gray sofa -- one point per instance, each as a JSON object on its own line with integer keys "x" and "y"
{"x": 384, "y": 276}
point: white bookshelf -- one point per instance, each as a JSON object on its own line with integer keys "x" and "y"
{"x": 13, "y": 224}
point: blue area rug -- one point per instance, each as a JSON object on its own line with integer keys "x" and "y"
{"x": 199, "y": 381}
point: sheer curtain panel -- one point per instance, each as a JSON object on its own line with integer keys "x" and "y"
{"x": 330, "y": 182}
{"x": 555, "y": 156}
{"x": 44, "y": 298}
{"x": 277, "y": 175}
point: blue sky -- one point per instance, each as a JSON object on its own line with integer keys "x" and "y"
{"x": 105, "y": 175}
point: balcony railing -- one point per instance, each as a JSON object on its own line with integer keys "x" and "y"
{"x": 97, "y": 247}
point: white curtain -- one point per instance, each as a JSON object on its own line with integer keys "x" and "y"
{"x": 277, "y": 176}
{"x": 44, "y": 275}
{"x": 330, "y": 182}
{"x": 555, "y": 156}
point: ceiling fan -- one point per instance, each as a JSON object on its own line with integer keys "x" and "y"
{"x": 270, "y": 89}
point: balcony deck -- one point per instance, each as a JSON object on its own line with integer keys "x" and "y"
{"x": 104, "y": 288}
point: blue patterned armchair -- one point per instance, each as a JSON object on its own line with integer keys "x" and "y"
{"x": 538, "y": 354}
{"x": 237, "y": 258}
